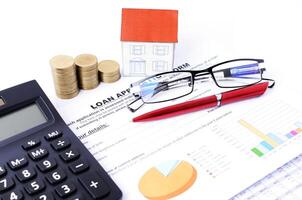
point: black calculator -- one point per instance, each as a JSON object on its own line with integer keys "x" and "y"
{"x": 40, "y": 157}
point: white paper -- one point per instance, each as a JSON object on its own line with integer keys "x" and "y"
{"x": 212, "y": 141}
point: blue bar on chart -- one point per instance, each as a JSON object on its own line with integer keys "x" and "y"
{"x": 275, "y": 138}
{"x": 289, "y": 135}
{"x": 266, "y": 145}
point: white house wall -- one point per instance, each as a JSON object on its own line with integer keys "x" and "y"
{"x": 147, "y": 56}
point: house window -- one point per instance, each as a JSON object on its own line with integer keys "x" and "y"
{"x": 137, "y": 67}
{"x": 137, "y": 50}
{"x": 159, "y": 66}
{"x": 160, "y": 50}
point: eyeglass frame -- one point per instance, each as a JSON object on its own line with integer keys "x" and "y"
{"x": 194, "y": 74}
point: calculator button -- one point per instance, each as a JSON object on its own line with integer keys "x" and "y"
{"x": 53, "y": 135}
{"x": 94, "y": 185}
{"x": 26, "y": 174}
{"x": 60, "y": 144}
{"x": 66, "y": 189}
{"x": 38, "y": 154}
{"x": 2, "y": 170}
{"x": 47, "y": 165}
{"x": 77, "y": 197}
{"x": 69, "y": 155}
{"x": 34, "y": 187}
{"x": 31, "y": 144}
{"x": 18, "y": 163}
{"x": 14, "y": 195}
{"x": 45, "y": 196}
{"x": 56, "y": 176}
{"x": 6, "y": 184}
{"x": 78, "y": 167}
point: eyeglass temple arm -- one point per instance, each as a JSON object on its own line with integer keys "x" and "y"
{"x": 271, "y": 82}
{"x": 134, "y": 109}
{"x": 200, "y": 78}
{"x": 227, "y": 72}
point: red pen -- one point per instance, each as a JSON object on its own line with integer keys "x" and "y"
{"x": 204, "y": 103}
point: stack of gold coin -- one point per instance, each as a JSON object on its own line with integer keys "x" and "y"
{"x": 87, "y": 70}
{"x": 109, "y": 71}
{"x": 64, "y": 76}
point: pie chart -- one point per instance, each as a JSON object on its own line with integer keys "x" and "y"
{"x": 167, "y": 180}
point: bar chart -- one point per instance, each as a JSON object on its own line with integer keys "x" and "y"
{"x": 262, "y": 130}
{"x": 270, "y": 141}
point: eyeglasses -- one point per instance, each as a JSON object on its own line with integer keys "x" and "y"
{"x": 176, "y": 84}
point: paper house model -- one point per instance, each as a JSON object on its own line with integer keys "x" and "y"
{"x": 148, "y": 40}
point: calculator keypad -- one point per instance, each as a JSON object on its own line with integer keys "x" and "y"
{"x": 46, "y": 172}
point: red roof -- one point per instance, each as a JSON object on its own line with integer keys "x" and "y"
{"x": 149, "y": 25}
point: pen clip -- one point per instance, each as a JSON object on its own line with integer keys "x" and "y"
{"x": 218, "y": 97}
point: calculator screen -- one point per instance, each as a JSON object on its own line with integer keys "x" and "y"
{"x": 21, "y": 120}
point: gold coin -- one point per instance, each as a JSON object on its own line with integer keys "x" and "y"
{"x": 86, "y": 61}
{"x": 61, "y": 62}
{"x": 109, "y": 67}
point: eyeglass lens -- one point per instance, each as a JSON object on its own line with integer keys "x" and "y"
{"x": 166, "y": 87}
{"x": 237, "y": 73}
